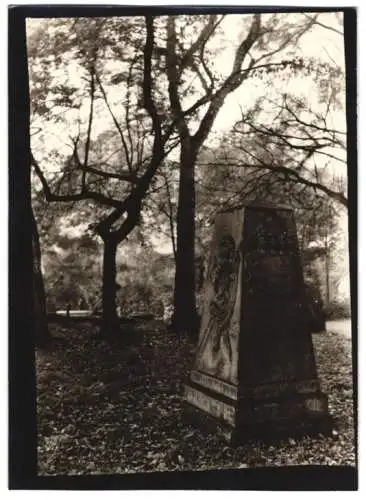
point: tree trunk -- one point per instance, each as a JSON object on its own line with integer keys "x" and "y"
{"x": 109, "y": 290}
{"x": 42, "y": 334}
{"x": 327, "y": 273}
{"x": 171, "y": 219}
{"x": 185, "y": 318}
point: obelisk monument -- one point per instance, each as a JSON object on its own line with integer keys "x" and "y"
{"x": 254, "y": 371}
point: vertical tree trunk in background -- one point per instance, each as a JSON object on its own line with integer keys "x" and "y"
{"x": 109, "y": 290}
{"x": 327, "y": 272}
{"x": 171, "y": 220}
{"x": 42, "y": 334}
{"x": 185, "y": 317}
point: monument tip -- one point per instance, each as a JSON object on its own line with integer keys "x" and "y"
{"x": 257, "y": 204}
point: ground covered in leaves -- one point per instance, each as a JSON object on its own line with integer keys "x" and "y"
{"x": 116, "y": 407}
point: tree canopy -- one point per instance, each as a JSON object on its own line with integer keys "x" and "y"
{"x": 148, "y": 126}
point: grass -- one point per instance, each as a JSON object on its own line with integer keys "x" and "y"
{"x": 116, "y": 407}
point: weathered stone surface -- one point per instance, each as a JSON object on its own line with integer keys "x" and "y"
{"x": 228, "y": 390}
{"x": 211, "y": 405}
{"x": 254, "y": 361}
{"x": 217, "y": 351}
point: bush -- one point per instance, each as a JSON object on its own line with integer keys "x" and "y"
{"x": 337, "y": 310}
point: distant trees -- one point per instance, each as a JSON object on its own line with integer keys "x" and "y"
{"x": 72, "y": 271}
{"x": 324, "y": 258}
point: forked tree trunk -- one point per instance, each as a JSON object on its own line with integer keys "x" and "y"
{"x": 185, "y": 317}
{"x": 109, "y": 290}
{"x": 42, "y": 334}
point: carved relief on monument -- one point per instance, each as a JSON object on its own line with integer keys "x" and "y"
{"x": 218, "y": 342}
{"x": 254, "y": 290}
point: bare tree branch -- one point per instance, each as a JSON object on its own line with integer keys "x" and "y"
{"x": 90, "y": 122}
{"x": 173, "y": 78}
{"x": 293, "y": 37}
{"x": 170, "y": 215}
{"x": 147, "y": 84}
{"x": 232, "y": 82}
{"x": 293, "y": 176}
{"x": 123, "y": 176}
{"x": 127, "y": 107}
{"x": 82, "y": 195}
{"x": 325, "y": 26}
{"x": 311, "y": 125}
{"x": 202, "y": 39}
{"x": 115, "y": 121}
{"x": 131, "y": 206}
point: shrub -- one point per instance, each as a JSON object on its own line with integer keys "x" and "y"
{"x": 337, "y": 310}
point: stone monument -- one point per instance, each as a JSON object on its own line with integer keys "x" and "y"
{"x": 254, "y": 372}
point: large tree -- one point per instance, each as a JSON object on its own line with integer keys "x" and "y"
{"x": 86, "y": 174}
{"x": 42, "y": 334}
{"x": 263, "y": 39}
{"x": 188, "y": 92}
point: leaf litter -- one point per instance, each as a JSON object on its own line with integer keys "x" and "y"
{"x": 117, "y": 407}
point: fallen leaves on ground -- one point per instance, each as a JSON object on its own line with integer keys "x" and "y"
{"x": 116, "y": 407}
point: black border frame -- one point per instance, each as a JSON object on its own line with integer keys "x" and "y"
{"x": 22, "y": 406}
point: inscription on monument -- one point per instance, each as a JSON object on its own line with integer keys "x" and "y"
{"x": 272, "y": 230}
{"x": 215, "y": 384}
{"x": 270, "y": 274}
{"x": 278, "y": 388}
{"x": 210, "y": 405}
{"x": 314, "y": 405}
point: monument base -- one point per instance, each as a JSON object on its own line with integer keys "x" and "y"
{"x": 267, "y": 418}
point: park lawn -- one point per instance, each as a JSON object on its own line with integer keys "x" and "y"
{"x": 116, "y": 407}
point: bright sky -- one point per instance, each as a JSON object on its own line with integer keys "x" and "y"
{"x": 325, "y": 45}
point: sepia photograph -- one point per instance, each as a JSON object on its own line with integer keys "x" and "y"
{"x": 182, "y": 241}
